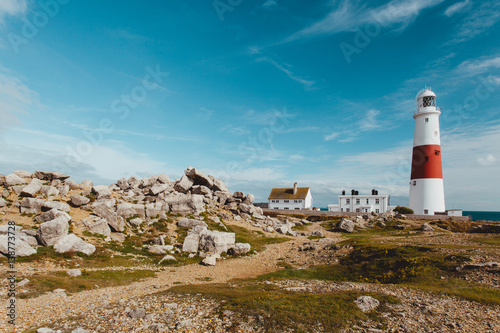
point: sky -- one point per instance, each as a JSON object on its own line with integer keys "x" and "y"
{"x": 259, "y": 93}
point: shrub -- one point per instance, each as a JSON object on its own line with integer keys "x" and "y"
{"x": 403, "y": 210}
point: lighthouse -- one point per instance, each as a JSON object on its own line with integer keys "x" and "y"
{"x": 426, "y": 185}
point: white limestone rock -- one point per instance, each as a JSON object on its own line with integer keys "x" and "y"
{"x": 52, "y": 231}
{"x": 72, "y": 242}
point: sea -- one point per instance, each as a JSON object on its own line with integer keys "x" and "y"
{"x": 482, "y": 216}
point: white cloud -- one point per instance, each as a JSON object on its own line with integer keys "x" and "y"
{"x": 488, "y": 160}
{"x": 455, "y": 8}
{"x": 347, "y": 16}
{"x": 478, "y": 21}
{"x": 306, "y": 83}
{"x": 332, "y": 136}
{"x": 369, "y": 122}
{"x": 478, "y": 66}
{"x": 235, "y": 130}
{"x": 12, "y": 8}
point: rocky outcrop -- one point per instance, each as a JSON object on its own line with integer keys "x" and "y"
{"x": 14, "y": 179}
{"x": 185, "y": 203}
{"x": 101, "y": 192}
{"x": 103, "y": 210}
{"x": 21, "y": 248}
{"x": 52, "y": 231}
{"x": 50, "y": 175}
{"x": 32, "y": 189}
{"x": 74, "y": 243}
{"x": 184, "y": 184}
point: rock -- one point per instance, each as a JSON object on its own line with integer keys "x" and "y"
{"x": 285, "y": 229}
{"x": 199, "y": 177}
{"x": 110, "y": 216}
{"x": 381, "y": 224}
{"x": 52, "y": 231}
{"x": 160, "y": 240}
{"x": 79, "y": 200}
{"x": 74, "y": 272}
{"x": 168, "y": 257}
{"x": 49, "y": 175}
{"x": 223, "y": 196}
{"x": 51, "y": 215}
{"x": 158, "y": 188}
{"x": 62, "y": 206}
{"x": 163, "y": 179}
{"x": 148, "y": 181}
{"x": 485, "y": 229}
{"x": 191, "y": 243}
{"x": 366, "y": 303}
{"x": 209, "y": 261}
{"x": 46, "y": 330}
{"x": 249, "y": 209}
{"x": 14, "y": 179}
{"x": 21, "y": 248}
{"x": 159, "y": 249}
{"x": 86, "y": 184}
{"x": 269, "y": 229}
{"x": 23, "y": 173}
{"x": 63, "y": 190}
{"x": 400, "y": 227}
{"x": 137, "y": 222}
{"x": 17, "y": 188}
{"x": 72, "y": 184}
{"x": 249, "y": 199}
{"x": 184, "y": 184}
{"x": 489, "y": 264}
{"x": 80, "y": 330}
{"x": 137, "y": 313}
{"x": 118, "y": 237}
{"x": 101, "y": 192}
{"x": 216, "y": 242}
{"x": 426, "y": 227}
{"x": 34, "y": 186}
{"x": 72, "y": 242}
{"x": 48, "y": 191}
{"x": 126, "y": 209}
{"x": 123, "y": 184}
{"x": 23, "y": 282}
{"x": 100, "y": 227}
{"x": 185, "y": 203}
{"x": 239, "y": 248}
{"x": 201, "y": 189}
{"x": 31, "y": 205}
{"x": 239, "y": 195}
{"x": 346, "y": 225}
{"x": 317, "y": 233}
{"x": 3, "y": 203}
{"x": 190, "y": 223}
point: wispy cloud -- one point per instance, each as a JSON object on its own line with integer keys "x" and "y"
{"x": 369, "y": 122}
{"x": 235, "y": 130}
{"x": 12, "y": 8}
{"x": 478, "y": 66}
{"x": 268, "y": 4}
{"x": 478, "y": 21}
{"x": 347, "y": 16}
{"x": 353, "y": 131}
{"x": 332, "y": 136}
{"x": 306, "y": 83}
{"x": 455, "y": 8}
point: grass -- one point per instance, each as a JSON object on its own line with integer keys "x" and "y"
{"x": 414, "y": 266}
{"x": 257, "y": 241}
{"x": 40, "y": 284}
{"x": 284, "y": 310}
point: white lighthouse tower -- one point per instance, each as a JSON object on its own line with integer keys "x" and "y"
{"x": 426, "y": 185}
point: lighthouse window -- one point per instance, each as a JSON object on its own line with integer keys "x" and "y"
{"x": 429, "y": 101}
{"x": 427, "y": 158}
{"x": 426, "y": 120}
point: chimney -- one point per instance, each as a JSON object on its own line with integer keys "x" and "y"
{"x": 294, "y": 188}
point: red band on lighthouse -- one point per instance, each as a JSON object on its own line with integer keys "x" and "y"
{"x": 426, "y": 162}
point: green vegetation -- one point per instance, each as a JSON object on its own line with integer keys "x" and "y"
{"x": 257, "y": 240}
{"x": 283, "y": 310}
{"x": 40, "y": 284}
{"x": 403, "y": 210}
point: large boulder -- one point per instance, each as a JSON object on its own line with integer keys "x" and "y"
{"x": 101, "y": 192}
{"x": 199, "y": 177}
{"x": 249, "y": 199}
{"x": 3, "y": 203}
{"x": 50, "y": 232}
{"x": 79, "y": 200}
{"x": 209, "y": 261}
{"x": 158, "y": 188}
{"x": 31, "y": 205}
{"x": 74, "y": 243}
{"x": 163, "y": 179}
{"x": 14, "y": 179}
{"x": 223, "y": 196}
{"x": 185, "y": 203}
{"x": 220, "y": 186}
{"x": 190, "y": 223}
{"x": 86, "y": 184}
{"x": 216, "y": 241}
{"x": 240, "y": 248}
{"x": 110, "y": 216}
{"x": 23, "y": 173}
{"x": 123, "y": 184}
{"x": 426, "y": 227}
{"x": 57, "y": 205}
{"x": 366, "y": 303}
{"x": 191, "y": 243}
{"x": 249, "y": 209}
{"x": 346, "y": 225}
{"x": 34, "y": 186}
{"x": 52, "y": 215}
{"x": 50, "y": 175}
{"x": 48, "y": 191}
{"x": 72, "y": 184}
{"x": 20, "y": 248}
{"x": 126, "y": 210}
{"x": 100, "y": 227}
{"x": 184, "y": 184}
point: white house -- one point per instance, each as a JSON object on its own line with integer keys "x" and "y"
{"x": 360, "y": 203}
{"x": 290, "y": 198}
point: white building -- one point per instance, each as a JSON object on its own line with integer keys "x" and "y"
{"x": 361, "y": 203}
{"x": 290, "y": 198}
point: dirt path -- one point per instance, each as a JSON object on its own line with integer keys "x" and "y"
{"x": 52, "y": 306}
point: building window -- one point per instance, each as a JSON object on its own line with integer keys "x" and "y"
{"x": 286, "y": 201}
{"x": 286, "y": 208}
{"x": 341, "y": 209}
{"x": 296, "y": 201}
{"x": 297, "y": 208}
{"x": 377, "y": 210}
{"x": 358, "y": 210}
{"x": 367, "y": 201}
{"x": 377, "y": 201}
{"x": 426, "y": 211}
{"x": 347, "y": 210}
{"x": 357, "y": 201}
{"x": 347, "y": 201}
{"x": 426, "y": 120}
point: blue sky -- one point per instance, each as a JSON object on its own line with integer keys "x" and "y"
{"x": 259, "y": 93}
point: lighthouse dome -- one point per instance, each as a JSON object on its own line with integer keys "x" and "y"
{"x": 426, "y": 99}
{"x": 426, "y": 92}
